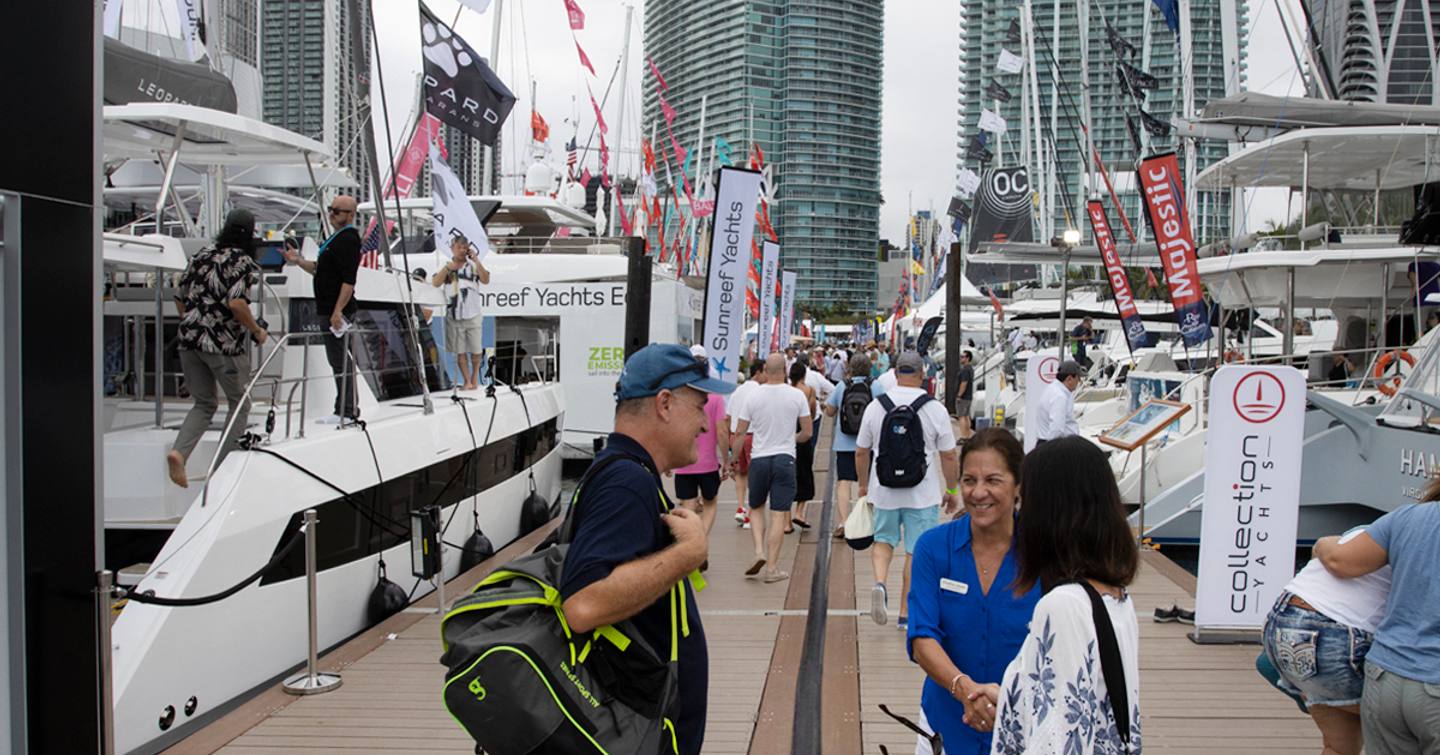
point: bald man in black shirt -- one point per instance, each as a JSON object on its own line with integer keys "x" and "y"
{"x": 335, "y": 271}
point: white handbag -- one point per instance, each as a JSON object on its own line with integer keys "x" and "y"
{"x": 860, "y": 525}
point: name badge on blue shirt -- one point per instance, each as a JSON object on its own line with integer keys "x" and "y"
{"x": 953, "y": 586}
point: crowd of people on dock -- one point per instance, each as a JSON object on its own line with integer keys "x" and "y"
{"x": 1016, "y": 565}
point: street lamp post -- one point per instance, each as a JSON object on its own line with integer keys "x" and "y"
{"x": 1065, "y": 243}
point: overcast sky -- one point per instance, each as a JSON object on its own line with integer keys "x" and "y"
{"x": 920, "y": 88}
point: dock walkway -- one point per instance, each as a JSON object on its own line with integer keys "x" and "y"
{"x": 1194, "y": 699}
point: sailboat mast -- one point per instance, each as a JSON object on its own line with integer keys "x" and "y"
{"x": 1187, "y": 83}
{"x": 1038, "y": 153}
{"x": 488, "y": 183}
{"x": 363, "y": 118}
{"x": 620, "y": 119}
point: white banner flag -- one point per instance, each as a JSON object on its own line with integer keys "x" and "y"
{"x": 112, "y": 18}
{"x": 968, "y": 182}
{"x": 454, "y": 215}
{"x": 991, "y": 122}
{"x": 787, "y": 306}
{"x": 479, "y": 6}
{"x": 769, "y": 270}
{"x": 189, "y": 11}
{"x": 1252, "y": 494}
{"x": 1009, "y": 62}
{"x": 1040, "y": 372}
{"x": 731, "y": 233}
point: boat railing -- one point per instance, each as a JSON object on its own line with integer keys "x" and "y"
{"x": 559, "y": 244}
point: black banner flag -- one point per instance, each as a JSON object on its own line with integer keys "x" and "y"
{"x": 997, "y": 91}
{"x": 460, "y": 89}
{"x": 1154, "y": 125}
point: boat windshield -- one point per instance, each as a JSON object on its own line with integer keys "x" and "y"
{"x": 1418, "y": 401}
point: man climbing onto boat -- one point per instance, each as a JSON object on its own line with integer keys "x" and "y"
{"x": 463, "y": 332}
{"x": 335, "y": 270}
{"x": 631, "y": 544}
{"x": 214, "y": 305}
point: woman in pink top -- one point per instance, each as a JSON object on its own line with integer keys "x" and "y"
{"x": 698, "y": 485}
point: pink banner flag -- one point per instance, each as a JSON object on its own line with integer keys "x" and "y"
{"x": 427, "y": 130}
{"x": 624, "y": 217}
{"x": 585, "y": 177}
{"x": 577, "y": 16}
{"x": 584, "y": 59}
{"x": 667, "y": 110}
{"x": 599, "y": 117}
{"x": 658, "y": 78}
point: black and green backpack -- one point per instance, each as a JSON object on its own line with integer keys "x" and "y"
{"x": 519, "y": 681}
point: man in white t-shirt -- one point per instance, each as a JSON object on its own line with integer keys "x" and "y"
{"x": 772, "y": 412}
{"x": 1055, "y": 417}
{"x": 907, "y": 510}
{"x": 739, "y": 462}
{"x": 459, "y": 277}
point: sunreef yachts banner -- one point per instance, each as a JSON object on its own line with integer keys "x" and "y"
{"x": 1165, "y": 207}
{"x": 731, "y": 232}
{"x": 769, "y": 271}
{"x": 1119, "y": 282}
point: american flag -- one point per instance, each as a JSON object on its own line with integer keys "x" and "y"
{"x": 572, "y": 155}
{"x": 370, "y": 247}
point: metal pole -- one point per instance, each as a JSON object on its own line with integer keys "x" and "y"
{"x": 359, "y": 44}
{"x": 807, "y": 735}
{"x": 1064, "y": 298}
{"x": 489, "y": 172}
{"x": 614, "y": 208}
{"x": 159, "y": 348}
{"x": 953, "y": 276}
{"x": 311, "y": 681}
{"x": 304, "y": 382}
{"x": 1143, "y": 447}
{"x": 1288, "y": 337}
{"x": 440, "y": 555}
{"x": 1384, "y": 306}
{"x": 104, "y": 586}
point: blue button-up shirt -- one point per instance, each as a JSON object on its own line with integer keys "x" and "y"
{"x": 980, "y": 632}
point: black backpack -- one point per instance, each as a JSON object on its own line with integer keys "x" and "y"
{"x": 852, "y": 406}
{"x": 902, "y": 461}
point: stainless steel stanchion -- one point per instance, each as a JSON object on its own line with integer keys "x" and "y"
{"x": 440, "y": 576}
{"x": 1143, "y": 498}
{"x": 310, "y": 681}
{"x": 104, "y": 597}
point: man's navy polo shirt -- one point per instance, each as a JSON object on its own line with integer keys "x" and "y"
{"x": 619, "y": 521}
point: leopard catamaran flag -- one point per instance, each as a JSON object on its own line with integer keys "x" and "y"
{"x": 460, "y": 89}
{"x": 454, "y": 215}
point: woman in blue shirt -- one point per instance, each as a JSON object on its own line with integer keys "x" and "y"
{"x": 966, "y": 623}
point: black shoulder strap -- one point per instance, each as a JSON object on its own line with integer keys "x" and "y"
{"x": 567, "y": 528}
{"x": 886, "y": 402}
{"x": 1112, "y": 666}
{"x": 919, "y": 402}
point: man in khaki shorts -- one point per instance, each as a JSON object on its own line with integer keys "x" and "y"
{"x": 463, "y": 332}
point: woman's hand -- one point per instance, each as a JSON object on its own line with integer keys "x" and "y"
{"x": 979, "y": 701}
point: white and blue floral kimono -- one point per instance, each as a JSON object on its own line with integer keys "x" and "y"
{"x": 1053, "y": 699}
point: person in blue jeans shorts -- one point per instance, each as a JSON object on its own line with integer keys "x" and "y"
{"x": 1400, "y": 704}
{"x": 905, "y": 512}
{"x": 772, "y": 412}
{"x": 1317, "y": 636}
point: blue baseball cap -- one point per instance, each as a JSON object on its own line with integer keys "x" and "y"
{"x": 665, "y": 367}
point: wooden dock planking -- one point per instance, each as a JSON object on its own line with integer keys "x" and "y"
{"x": 1195, "y": 699}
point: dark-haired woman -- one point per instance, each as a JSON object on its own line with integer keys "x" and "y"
{"x": 804, "y": 455}
{"x": 216, "y": 326}
{"x": 1073, "y": 541}
{"x": 965, "y": 622}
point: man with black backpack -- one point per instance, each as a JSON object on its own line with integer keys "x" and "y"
{"x": 849, "y": 401}
{"x": 631, "y": 544}
{"x": 900, "y": 432}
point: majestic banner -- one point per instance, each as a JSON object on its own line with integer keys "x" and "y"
{"x": 454, "y": 215}
{"x": 1119, "y": 282}
{"x": 1002, "y": 207}
{"x": 769, "y": 270}
{"x": 1165, "y": 207}
{"x": 460, "y": 89}
{"x": 731, "y": 234}
{"x": 1252, "y": 494}
{"x": 787, "y": 306}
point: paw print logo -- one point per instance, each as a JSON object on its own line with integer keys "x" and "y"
{"x": 444, "y": 49}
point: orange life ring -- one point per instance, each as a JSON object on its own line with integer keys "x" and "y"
{"x": 1388, "y": 387}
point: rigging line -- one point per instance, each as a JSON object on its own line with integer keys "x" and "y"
{"x": 389, "y": 146}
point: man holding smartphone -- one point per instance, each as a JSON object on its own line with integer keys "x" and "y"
{"x": 335, "y": 271}
{"x": 463, "y": 331}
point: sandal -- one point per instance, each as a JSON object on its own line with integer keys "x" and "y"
{"x": 755, "y": 567}
{"x": 802, "y": 524}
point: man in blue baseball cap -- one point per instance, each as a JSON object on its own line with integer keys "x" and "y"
{"x": 632, "y": 545}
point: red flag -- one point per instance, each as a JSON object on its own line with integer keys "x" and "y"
{"x": 995, "y": 302}
{"x": 539, "y": 129}
{"x": 649, "y": 153}
{"x": 577, "y": 16}
{"x": 585, "y": 177}
{"x": 624, "y": 217}
{"x": 668, "y": 111}
{"x": 599, "y": 118}
{"x": 658, "y": 78}
{"x": 759, "y": 157}
{"x": 1150, "y": 278}
{"x": 584, "y": 59}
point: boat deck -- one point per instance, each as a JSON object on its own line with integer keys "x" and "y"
{"x": 1194, "y": 699}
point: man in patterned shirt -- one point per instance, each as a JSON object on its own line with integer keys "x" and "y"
{"x": 214, "y": 304}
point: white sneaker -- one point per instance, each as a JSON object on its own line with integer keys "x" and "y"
{"x": 333, "y": 419}
{"x": 745, "y": 526}
{"x": 878, "y": 599}
{"x": 740, "y": 515}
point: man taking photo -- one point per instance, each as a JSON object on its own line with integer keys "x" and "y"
{"x": 463, "y": 332}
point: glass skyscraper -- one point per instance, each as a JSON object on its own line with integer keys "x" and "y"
{"x": 1378, "y": 50}
{"x": 984, "y": 27}
{"x": 800, "y": 78}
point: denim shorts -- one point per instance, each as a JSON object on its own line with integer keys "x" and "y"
{"x": 772, "y": 482}
{"x": 1315, "y": 655}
